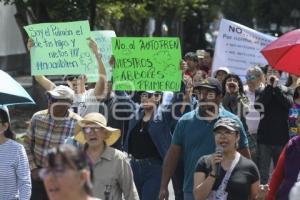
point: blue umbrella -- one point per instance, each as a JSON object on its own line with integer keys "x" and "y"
{"x": 11, "y": 92}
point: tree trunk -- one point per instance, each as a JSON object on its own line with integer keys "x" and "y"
{"x": 93, "y": 5}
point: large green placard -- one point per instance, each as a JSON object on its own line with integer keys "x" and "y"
{"x": 60, "y": 48}
{"x": 149, "y": 63}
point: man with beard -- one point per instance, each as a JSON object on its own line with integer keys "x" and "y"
{"x": 193, "y": 136}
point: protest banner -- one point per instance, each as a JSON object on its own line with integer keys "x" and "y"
{"x": 60, "y": 48}
{"x": 147, "y": 63}
{"x": 238, "y": 48}
{"x": 103, "y": 40}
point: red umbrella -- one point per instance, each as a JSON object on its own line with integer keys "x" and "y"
{"x": 284, "y": 53}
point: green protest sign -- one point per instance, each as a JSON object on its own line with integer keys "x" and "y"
{"x": 60, "y": 48}
{"x": 146, "y": 64}
{"x": 103, "y": 40}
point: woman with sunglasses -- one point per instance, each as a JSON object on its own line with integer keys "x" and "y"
{"x": 15, "y": 182}
{"x": 226, "y": 174}
{"x": 148, "y": 139}
{"x": 68, "y": 175}
{"x": 112, "y": 173}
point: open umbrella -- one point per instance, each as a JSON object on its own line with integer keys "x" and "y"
{"x": 11, "y": 92}
{"x": 284, "y": 53}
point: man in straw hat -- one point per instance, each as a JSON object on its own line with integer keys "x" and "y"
{"x": 112, "y": 172}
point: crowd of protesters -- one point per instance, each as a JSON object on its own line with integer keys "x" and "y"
{"x": 217, "y": 138}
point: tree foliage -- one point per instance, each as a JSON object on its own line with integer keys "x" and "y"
{"x": 186, "y": 18}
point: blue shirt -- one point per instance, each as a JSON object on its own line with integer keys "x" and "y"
{"x": 195, "y": 137}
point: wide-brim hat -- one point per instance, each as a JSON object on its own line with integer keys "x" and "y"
{"x": 97, "y": 118}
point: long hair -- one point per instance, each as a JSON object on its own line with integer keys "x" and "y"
{"x": 289, "y": 81}
{"x": 240, "y": 84}
{"x": 5, "y": 119}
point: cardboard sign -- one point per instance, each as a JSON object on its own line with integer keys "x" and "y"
{"x": 60, "y": 48}
{"x": 143, "y": 64}
{"x": 238, "y": 48}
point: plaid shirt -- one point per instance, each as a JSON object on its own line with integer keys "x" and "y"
{"x": 45, "y": 133}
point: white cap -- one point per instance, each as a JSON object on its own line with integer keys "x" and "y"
{"x": 225, "y": 69}
{"x": 295, "y": 192}
{"x": 62, "y": 92}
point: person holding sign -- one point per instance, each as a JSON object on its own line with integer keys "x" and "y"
{"x": 85, "y": 101}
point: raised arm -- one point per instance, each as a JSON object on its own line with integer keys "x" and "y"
{"x": 42, "y": 80}
{"x": 100, "y": 84}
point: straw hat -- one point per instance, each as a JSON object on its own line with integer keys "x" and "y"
{"x": 97, "y": 118}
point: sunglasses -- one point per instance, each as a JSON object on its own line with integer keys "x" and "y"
{"x": 149, "y": 95}
{"x": 88, "y": 130}
{"x": 57, "y": 171}
{"x": 251, "y": 77}
{"x": 73, "y": 77}
{"x": 224, "y": 133}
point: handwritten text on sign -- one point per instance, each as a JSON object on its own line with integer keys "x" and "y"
{"x": 238, "y": 48}
{"x": 146, "y": 64}
{"x": 60, "y": 48}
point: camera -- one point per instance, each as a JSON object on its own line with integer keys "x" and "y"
{"x": 272, "y": 79}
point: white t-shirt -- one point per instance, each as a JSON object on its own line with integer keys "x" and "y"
{"x": 85, "y": 103}
{"x": 253, "y": 117}
{"x": 295, "y": 192}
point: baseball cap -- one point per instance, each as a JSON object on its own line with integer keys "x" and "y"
{"x": 211, "y": 83}
{"x": 225, "y": 69}
{"x": 191, "y": 55}
{"x": 62, "y": 92}
{"x": 228, "y": 123}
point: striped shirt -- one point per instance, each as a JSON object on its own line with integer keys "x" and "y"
{"x": 15, "y": 182}
{"x": 45, "y": 133}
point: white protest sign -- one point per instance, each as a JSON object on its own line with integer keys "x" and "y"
{"x": 238, "y": 48}
{"x": 103, "y": 40}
